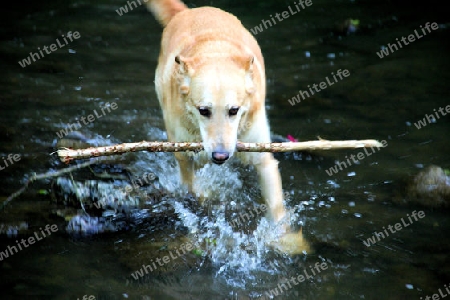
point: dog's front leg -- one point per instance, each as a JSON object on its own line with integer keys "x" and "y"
{"x": 271, "y": 190}
{"x": 270, "y": 181}
{"x": 186, "y": 165}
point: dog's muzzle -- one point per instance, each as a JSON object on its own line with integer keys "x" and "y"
{"x": 220, "y": 157}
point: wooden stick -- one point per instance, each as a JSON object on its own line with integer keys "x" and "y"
{"x": 66, "y": 155}
{"x": 49, "y": 174}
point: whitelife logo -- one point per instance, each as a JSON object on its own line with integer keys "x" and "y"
{"x": 284, "y": 15}
{"x": 31, "y": 240}
{"x": 385, "y": 51}
{"x": 11, "y": 157}
{"x": 90, "y": 118}
{"x": 376, "y": 237}
{"x": 258, "y": 210}
{"x": 147, "y": 178}
{"x": 165, "y": 260}
{"x": 86, "y": 297}
{"x": 35, "y": 56}
{"x": 124, "y": 9}
{"x": 297, "y": 280}
{"x": 323, "y": 85}
{"x": 438, "y": 296}
{"x": 431, "y": 118}
{"x": 360, "y": 156}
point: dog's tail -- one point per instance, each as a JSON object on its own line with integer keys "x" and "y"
{"x": 165, "y": 10}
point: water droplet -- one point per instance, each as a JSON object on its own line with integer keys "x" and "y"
{"x": 333, "y": 183}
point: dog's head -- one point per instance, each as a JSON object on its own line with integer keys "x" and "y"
{"x": 219, "y": 97}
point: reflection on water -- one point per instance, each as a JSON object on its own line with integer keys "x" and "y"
{"x": 114, "y": 60}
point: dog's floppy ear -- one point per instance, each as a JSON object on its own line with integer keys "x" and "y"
{"x": 246, "y": 63}
{"x": 185, "y": 69}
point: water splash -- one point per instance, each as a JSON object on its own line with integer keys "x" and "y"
{"x": 237, "y": 253}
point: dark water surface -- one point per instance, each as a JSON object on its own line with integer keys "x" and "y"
{"x": 114, "y": 61}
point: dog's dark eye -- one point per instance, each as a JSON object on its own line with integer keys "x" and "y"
{"x": 233, "y": 111}
{"x": 204, "y": 111}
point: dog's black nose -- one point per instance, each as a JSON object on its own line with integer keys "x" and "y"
{"x": 220, "y": 157}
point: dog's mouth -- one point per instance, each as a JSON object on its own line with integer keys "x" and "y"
{"x": 220, "y": 157}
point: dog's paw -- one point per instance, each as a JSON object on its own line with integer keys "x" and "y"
{"x": 292, "y": 243}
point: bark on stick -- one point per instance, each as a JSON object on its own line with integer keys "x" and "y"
{"x": 66, "y": 155}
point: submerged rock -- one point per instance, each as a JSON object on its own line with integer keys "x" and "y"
{"x": 12, "y": 230}
{"x": 430, "y": 188}
{"x": 107, "y": 197}
{"x": 86, "y": 225}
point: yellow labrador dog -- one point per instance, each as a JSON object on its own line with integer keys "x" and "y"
{"x": 211, "y": 86}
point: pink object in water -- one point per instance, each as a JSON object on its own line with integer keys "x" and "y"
{"x": 291, "y": 138}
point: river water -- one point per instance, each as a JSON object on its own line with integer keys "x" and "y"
{"x": 112, "y": 63}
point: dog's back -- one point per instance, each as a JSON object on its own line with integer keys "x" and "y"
{"x": 205, "y": 31}
{"x": 197, "y": 41}
{"x": 208, "y": 61}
